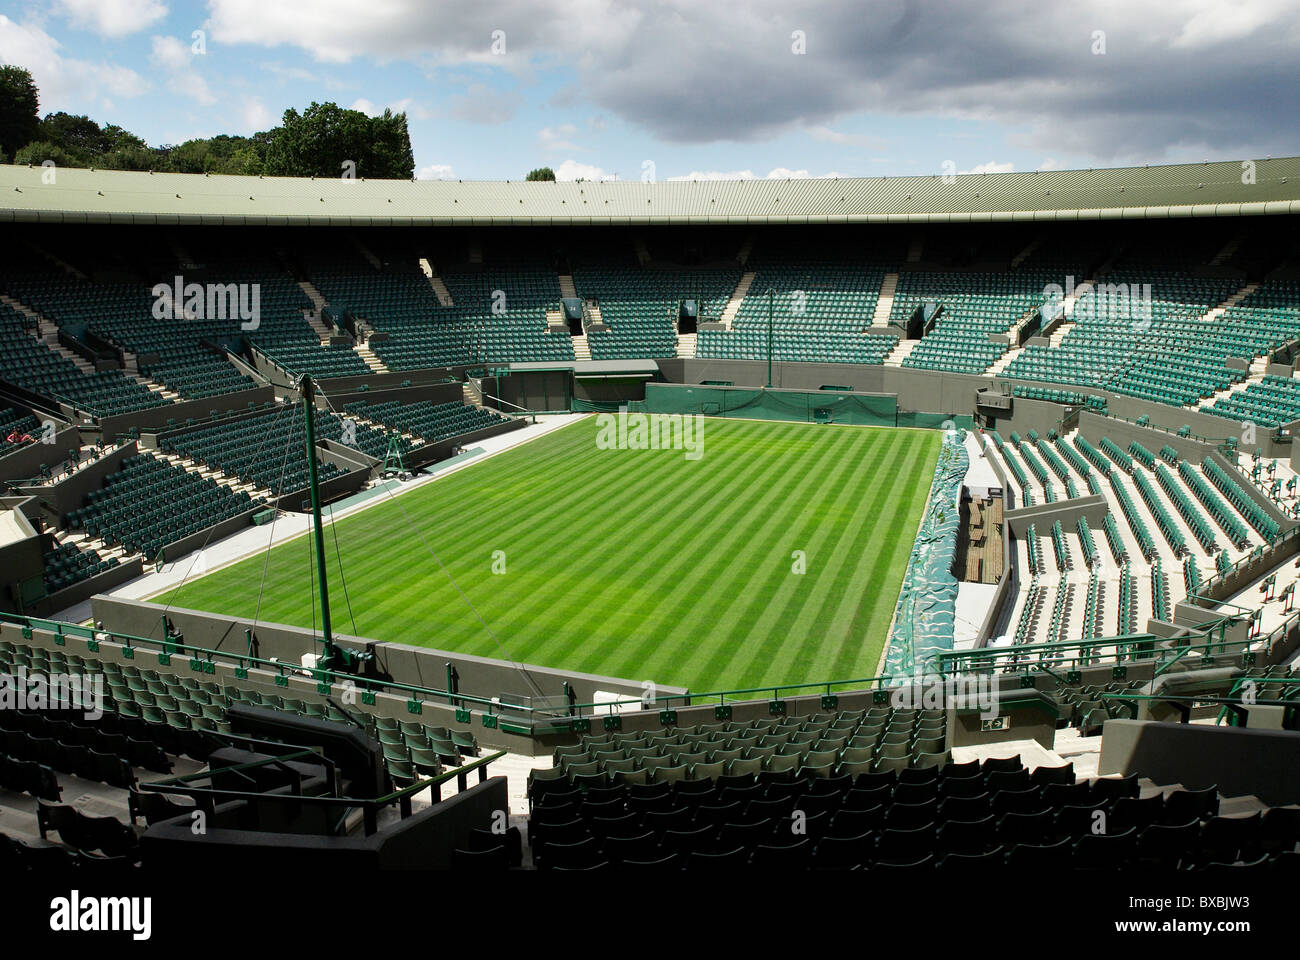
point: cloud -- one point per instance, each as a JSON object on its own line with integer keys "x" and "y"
{"x": 436, "y": 171}
{"x": 113, "y": 18}
{"x": 64, "y": 83}
{"x": 556, "y": 139}
{"x": 254, "y": 116}
{"x": 573, "y": 170}
{"x": 481, "y": 104}
{"x": 1192, "y": 77}
{"x": 778, "y": 173}
{"x": 991, "y": 167}
{"x": 176, "y": 58}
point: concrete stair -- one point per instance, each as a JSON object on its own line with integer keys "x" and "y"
{"x": 686, "y": 345}
{"x": 1215, "y": 313}
{"x": 593, "y": 311}
{"x": 581, "y": 349}
{"x": 207, "y": 472}
{"x": 642, "y": 251}
{"x": 1254, "y": 375}
{"x": 471, "y": 394}
{"x": 900, "y": 353}
{"x": 567, "y": 289}
{"x": 318, "y": 303}
{"x": 742, "y": 257}
{"x": 1004, "y": 361}
{"x": 439, "y": 288}
{"x": 369, "y": 359}
{"x": 733, "y": 305}
{"x": 475, "y": 250}
{"x": 885, "y": 302}
{"x": 915, "y": 249}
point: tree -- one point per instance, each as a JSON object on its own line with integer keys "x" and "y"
{"x": 541, "y": 173}
{"x": 328, "y": 141}
{"x": 19, "y": 109}
{"x": 38, "y": 151}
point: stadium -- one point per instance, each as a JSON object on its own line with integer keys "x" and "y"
{"x": 907, "y": 525}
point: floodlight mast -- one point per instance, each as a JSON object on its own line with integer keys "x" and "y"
{"x": 334, "y": 657}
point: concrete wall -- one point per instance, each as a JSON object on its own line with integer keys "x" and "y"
{"x": 58, "y": 499}
{"x": 156, "y": 417}
{"x": 1238, "y": 760}
{"x": 1043, "y": 515}
{"x": 25, "y": 463}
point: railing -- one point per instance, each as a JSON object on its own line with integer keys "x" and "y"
{"x": 1259, "y": 552}
{"x": 206, "y": 798}
{"x": 1135, "y": 647}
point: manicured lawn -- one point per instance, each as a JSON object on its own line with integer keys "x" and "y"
{"x": 631, "y": 563}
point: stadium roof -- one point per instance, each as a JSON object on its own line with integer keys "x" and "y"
{"x": 1221, "y": 188}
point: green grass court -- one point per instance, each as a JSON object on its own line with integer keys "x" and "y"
{"x": 631, "y": 563}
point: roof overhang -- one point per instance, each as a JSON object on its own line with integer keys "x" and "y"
{"x": 1222, "y": 188}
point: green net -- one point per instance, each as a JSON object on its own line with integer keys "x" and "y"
{"x": 926, "y": 615}
{"x": 812, "y": 406}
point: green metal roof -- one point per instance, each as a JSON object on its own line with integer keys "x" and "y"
{"x": 1179, "y": 190}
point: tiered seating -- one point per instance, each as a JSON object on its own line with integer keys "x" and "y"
{"x": 1169, "y": 455}
{"x": 1223, "y": 516}
{"x": 1093, "y": 455}
{"x": 429, "y": 421}
{"x": 1196, "y": 521}
{"x": 1070, "y": 397}
{"x": 1134, "y": 518}
{"x": 32, "y": 365}
{"x": 67, "y": 564}
{"x": 970, "y": 815}
{"x": 1035, "y": 551}
{"x": 975, "y": 305}
{"x": 1112, "y": 450}
{"x": 1159, "y": 591}
{"x": 1114, "y": 540}
{"x": 1126, "y": 620}
{"x": 1039, "y": 472}
{"x": 1268, "y": 527}
{"x": 1191, "y": 575}
{"x": 640, "y": 305}
{"x": 1143, "y": 455}
{"x": 17, "y": 430}
{"x": 1159, "y": 351}
{"x": 1164, "y": 521}
{"x": 149, "y": 503}
{"x": 1268, "y": 403}
{"x": 319, "y": 360}
{"x": 1060, "y": 547}
{"x": 1061, "y": 612}
{"x": 1031, "y": 612}
{"x": 1086, "y": 542}
{"x": 253, "y": 449}
{"x": 823, "y": 301}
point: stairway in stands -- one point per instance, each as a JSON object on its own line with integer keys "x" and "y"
{"x": 686, "y": 346}
{"x": 1255, "y": 375}
{"x": 439, "y": 288}
{"x": 581, "y": 348}
{"x": 318, "y": 303}
{"x": 1215, "y": 313}
{"x": 368, "y": 357}
{"x": 733, "y": 305}
{"x": 885, "y": 302}
{"x": 567, "y": 289}
{"x": 900, "y": 353}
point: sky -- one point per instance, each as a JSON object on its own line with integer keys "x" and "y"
{"x": 697, "y": 88}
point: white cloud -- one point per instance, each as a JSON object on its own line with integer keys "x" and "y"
{"x": 255, "y": 116}
{"x": 1050, "y": 164}
{"x": 991, "y": 167}
{"x": 65, "y": 84}
{"x": 717, "y": 175}
{"x": 113, "y": 18}
{"x": 573, "y": 170}
{"x": 827, "y": 135}
{"x": 406, "y": 105}
{"x": 175, "y": 57}
{"x": 436, "y": 171}
{"x": 782, "y": 173}
{"x": 556, "y": 139}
